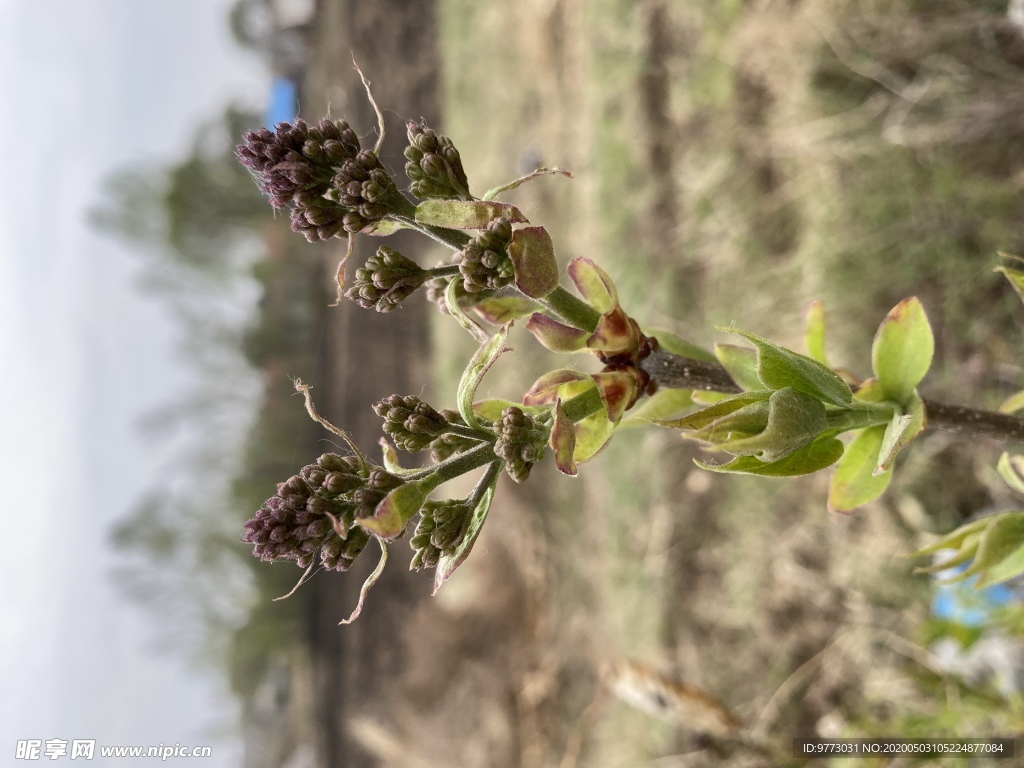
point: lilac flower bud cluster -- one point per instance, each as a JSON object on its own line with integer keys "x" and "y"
{"x": 317, "y": 511}
{"x": 521, "y": 441}
{"x": 434, "y": 166}
{"x": 484, "y": 262}
{"x": 387, "y": 279}
{"x": 441, "y": 528}
{"x": 333, "y": 186}
{"x": 410, "y": 422}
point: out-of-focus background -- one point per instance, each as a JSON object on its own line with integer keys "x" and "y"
{"x": 733, "y": 160}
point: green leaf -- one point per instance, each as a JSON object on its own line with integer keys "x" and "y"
{"x": 967, "y": 550}
{"x": 593, "y": 283}
{"x": 854, "y": 482}
{"x": 501, "y": 309}
{"x": 563, "y": 441}
{"x": 451, "y": 301}
{"x": 490, "y": 410}
{"x": 1001, "y": 538}
{"x": 391, "y": 462}
{"x": 820, "y": 454}
{"x": 778, "y": 368}
{"x": 814, "y": 331}
{"x": 465, "y": 214}
{"x": 1013, "y": 403}
{"x": 1012, "y": 565}
{"x": 1011, "y": 469}
{"x": 902, "y": 350}
{"x": 870, "y": 391}
{"x": 484, "y": 491}
{"x": 795, "y": 419}
{"x": 560, "y": 384}
{"x": 741, "y": 363}
{"x": 704, "y": 397}
{"x": 677, "y": 345}
{"x": 478, "y": 366}
{"x": 386, "y": 227}
{"x": 707, "y": 415}
{"x": 592, "y": 435}
{"x": 661, "y": 405}
{"x": 533, "y": 257}
{"x": 958, "y": 539}
{"x": 556, "y": 336}
{"x": 898, "y": 432}
{"x": 1015, "y": 276}
{"x": 396, "y": 510}
{"x": 492, "y": 193}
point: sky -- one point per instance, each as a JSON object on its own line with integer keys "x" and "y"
{"x": 85, "y": 354}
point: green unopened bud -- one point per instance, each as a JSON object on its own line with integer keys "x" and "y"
{"x": 387, "y": 279}
{"x": 521, "y": 441}
{"x": 411, "y": 423}
{"x": 434, "y": 166}
{"x": 441, "y": 528}
{"x": 484, "y": 262}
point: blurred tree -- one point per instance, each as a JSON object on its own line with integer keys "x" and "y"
{"x": 199, "y": 210}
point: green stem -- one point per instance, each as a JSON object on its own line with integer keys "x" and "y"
{"x": 487, "y": 480}
{"x": 574, "y": 311}
{"x": 579, "y": 407}
{"x": 449, "y": 270}
{"x": 456, "y": 465}
{"x": 469, "y": 432}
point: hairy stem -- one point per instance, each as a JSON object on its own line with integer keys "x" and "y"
{"x": 574, "y": 311}
{"x": 457, "y": 465}
{"x": 579, "y": 407}
{"x": 675, "y": 372}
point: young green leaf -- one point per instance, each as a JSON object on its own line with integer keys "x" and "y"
{"x": 899, "y": 432}
{"x": 533, "y": 258}
{"x": 490, "y": 410}
{"x": 677, "y": 345}
{"x": 778, "y": 368}
{"x": 1001, "y": 538}
{"x": 663, "y": 404}
{"x": 593, "y": 283}
{"x": 902, "y": 350}
{"x": 1010, "y": 566}
{"x": 592, "y": 434}
{"x": 814, "y": 331}
{"x": 451, "y": 301}
{"x": 794, "y": 420}
{"x": 1011, "y": 469}
{"x": 501, "y": 309}
{"x": 563, "y": 441}
{"x": 705, "y": 416}
{"x": 484, "y": 495}
{"x": 854, "y": 482}
{"x": 465, "y": 214}
{"x": 822, "y": 453}
{"x": 478, "y": 366}
{"x": 1013, "y": 403}
{"x": 391, "y": 515}
{"x": 958, "y": 539}
{"x": 1015, "y": 277}
{"x": 556, "y": 336}
{"x": 561, "y": 383}
{"x": 741, "y": 363}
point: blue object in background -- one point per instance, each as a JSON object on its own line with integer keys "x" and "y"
{"x": 284, "y": 102}
{"x": 962, "y": 603}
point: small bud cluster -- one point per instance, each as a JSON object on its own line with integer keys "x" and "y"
{"x": 332, "y": 185}
{"x": 484, "y": 262}
{"x": 317, "y": 510}
{"x": 387, "y": 279}
{"x": 434, "y": 166}
{"x": 450, "y": 443}
{"x": 410, "y": 422}
{"x": 440, "y": 530}
{"x": 520, "y": 442}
